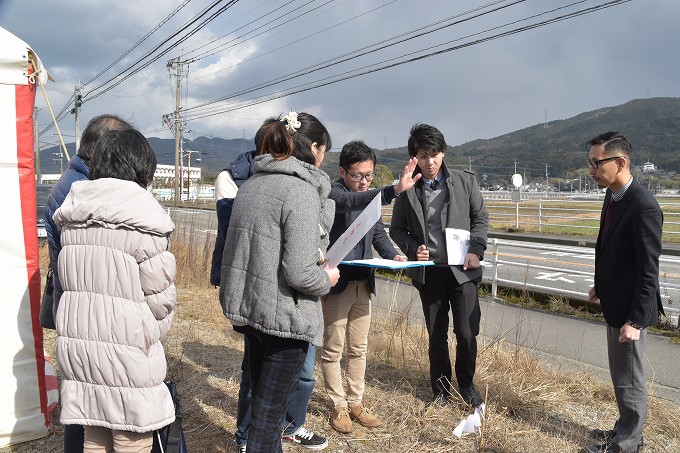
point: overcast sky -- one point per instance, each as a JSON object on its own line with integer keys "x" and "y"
{"x": 595, "y": 60}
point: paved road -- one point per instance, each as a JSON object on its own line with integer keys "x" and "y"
{"x": 565, "y": 342}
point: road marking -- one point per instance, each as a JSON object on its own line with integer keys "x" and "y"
{"x": 554, "y": 277}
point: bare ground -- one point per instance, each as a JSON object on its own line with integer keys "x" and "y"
{"x": 531, "y": 408}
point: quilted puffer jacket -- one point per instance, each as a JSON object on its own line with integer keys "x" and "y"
{"x": 117, "y": 305}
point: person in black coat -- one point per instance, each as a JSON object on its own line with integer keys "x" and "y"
{"x": 626, "y": 283}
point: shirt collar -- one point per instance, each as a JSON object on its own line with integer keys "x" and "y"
{"x": 438, "y": 178}
{"x": 619, "y": 194}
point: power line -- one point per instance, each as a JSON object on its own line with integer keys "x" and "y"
{"x": 149, "y": 57}
{"x": 144, "y": 38}
{"x": 314, "y": 85}
{"x": 368, "y": 49}
{"x": 208, "y": 53}
{"x": 297, "y": 40}
{"x": 64, "y": 111}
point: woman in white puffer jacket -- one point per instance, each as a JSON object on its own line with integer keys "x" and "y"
{"x": 118, "y": 300}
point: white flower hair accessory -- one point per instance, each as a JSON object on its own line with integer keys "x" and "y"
{"x": 292, "y": 123}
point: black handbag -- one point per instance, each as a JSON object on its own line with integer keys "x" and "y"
{"x": 46, "y": 315}
{"x": 170, "y": 438}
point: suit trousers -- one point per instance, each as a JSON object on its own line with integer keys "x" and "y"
{"x": 628, "y": 376}
{"x": 441, "y": 293}
{"x": 104, "y": 440}
{"x": 347, "y": 319}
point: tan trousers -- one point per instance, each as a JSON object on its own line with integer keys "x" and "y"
{"x": 105, "y": 440}
{"x": 346, "y": 318}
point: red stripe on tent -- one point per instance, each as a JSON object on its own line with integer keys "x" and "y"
{"x": 25, "y": 101}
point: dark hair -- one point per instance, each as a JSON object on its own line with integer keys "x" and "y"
{"x": 355, "y": 151}
{"x": 95, "y": 130}
{"x": 612, "y": 141}
{"x": 124, "y": 154}
{"x": 259, "y": 135}
{"x": 278, "y": 142}
{"x": 425, "y": 137}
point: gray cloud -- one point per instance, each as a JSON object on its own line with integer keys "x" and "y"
{"x": 601, "y": 59}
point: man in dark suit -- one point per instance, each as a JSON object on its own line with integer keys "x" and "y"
{"x": 347, "y": 309}
{"x": 626, "y": 282}
{"x": 442, "y": 199}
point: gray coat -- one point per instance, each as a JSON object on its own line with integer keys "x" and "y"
{"x": 271, "y": 277}
{"x": 465, "y": 210}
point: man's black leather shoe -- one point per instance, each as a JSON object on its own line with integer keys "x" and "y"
{"x": 470, "y": 396}
{"x": 606, "y": 435}
{"x": 605, "y": 448}
{"x": 602, "y": 435}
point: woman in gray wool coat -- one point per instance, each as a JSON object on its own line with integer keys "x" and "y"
{"x": 273, "y": 271}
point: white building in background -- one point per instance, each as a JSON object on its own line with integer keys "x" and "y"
{"x": 166, "y": 173}
{"x": 648, "y": 167}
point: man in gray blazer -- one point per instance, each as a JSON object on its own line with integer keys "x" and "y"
{"x": 443, "y": 198}
{"x": 626, "y": 283}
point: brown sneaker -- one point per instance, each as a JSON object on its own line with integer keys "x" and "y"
{"x": 340, "y": 420}
{"x": 362, "y": 415}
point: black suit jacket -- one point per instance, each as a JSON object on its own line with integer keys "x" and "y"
{"x": 627, "y": 260}
{"x": 348, "y": 206}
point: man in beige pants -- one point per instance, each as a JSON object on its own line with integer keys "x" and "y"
{"x": 347, "y": 309}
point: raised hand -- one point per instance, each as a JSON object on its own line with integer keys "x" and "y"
{"x": 407, "y": 180}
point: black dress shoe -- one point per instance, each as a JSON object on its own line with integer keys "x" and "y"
{"x": 606, "y": 435}
{"x": 602, "y": 435}
{"x": 470, "y": 396}
{"x": 599, "y": 448}
{"x": 605, "y": 448}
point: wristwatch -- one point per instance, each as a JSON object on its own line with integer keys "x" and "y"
{"x": 636, "y": 326}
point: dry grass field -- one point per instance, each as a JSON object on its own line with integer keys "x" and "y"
{"x": 531, "y": 408}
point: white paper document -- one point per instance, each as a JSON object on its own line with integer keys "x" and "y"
{"x": 457, "y": 245}
{"x": 356, "y": 231}
{"x": 387, "y": 264}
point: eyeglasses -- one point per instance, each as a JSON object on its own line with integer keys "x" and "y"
{"x": 357, "y": 178}
{"x": 594, "y": 164}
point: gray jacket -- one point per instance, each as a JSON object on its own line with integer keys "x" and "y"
{"x": 271, "y": 277}
{"x": 465, "y": 210}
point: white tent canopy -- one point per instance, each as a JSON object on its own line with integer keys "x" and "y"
{"x": 25, "y": 392}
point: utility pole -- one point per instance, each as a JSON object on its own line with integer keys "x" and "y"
{"x": 177, "y": 64}
{"x": 546, "y": 179}
{"x": 36, "y": 145}
{"x": 76, "y": 112}
{"x": 470, "y": 164}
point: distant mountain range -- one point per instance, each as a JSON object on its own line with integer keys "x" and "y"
{"x": 652, "y": 125}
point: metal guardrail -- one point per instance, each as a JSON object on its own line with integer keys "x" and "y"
{"x": 493, "y": 260}
{"x": 538, "y": 214}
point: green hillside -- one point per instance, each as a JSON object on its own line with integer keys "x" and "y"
{"x": 652, "y": 125}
